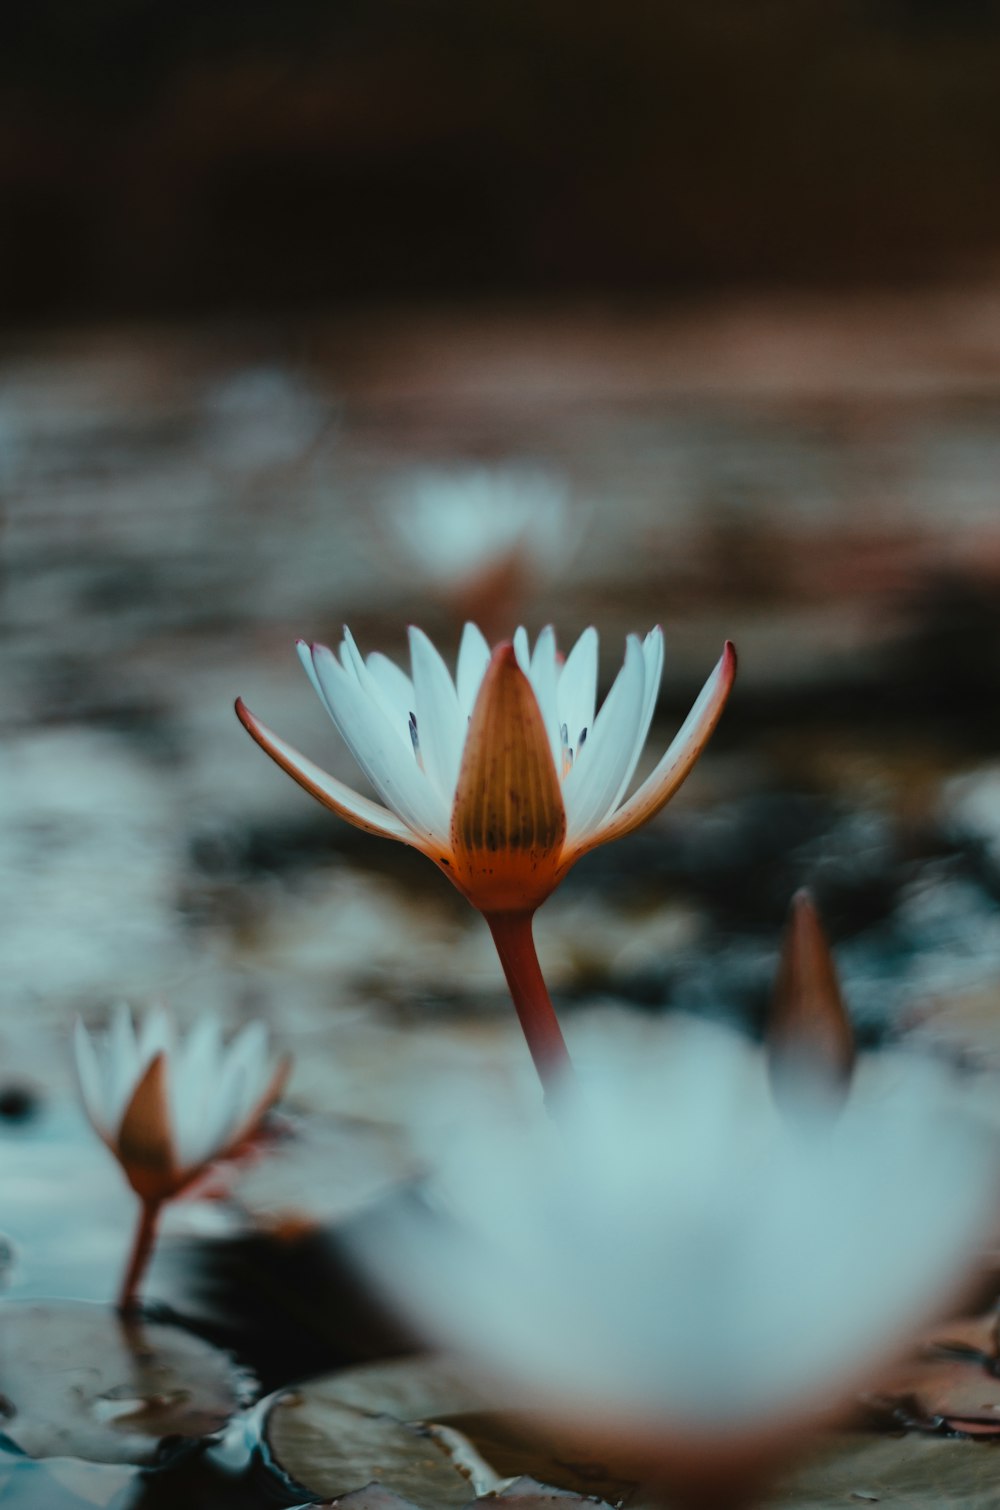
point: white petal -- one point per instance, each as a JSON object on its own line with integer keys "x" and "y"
{"x": 440, "y": 725}
{"x": 243, "y": 1080}
{"x": 122, "y": 1071}
{"x": 652, "y": 652}
{"x": 578, "y": 688}
{"x": 595, "y": 780}
{"x": 544, "y": 680}
{"x": 397, "y": 713}
{"x": 522, "y": 649}
{"x": 155, "y": 1036}
{"x": 351, "y": 658}
{"x": 652, "y": 649}
{"x": 88, "y": 1073}
{"x": 221, "y": 1119}
{"x": 371, "y": 686}
{"x": 473, "y": 659}
{"x": 374, "y": 743}
{"x": 304, "y": 652}
{"x": 248, "y": 1054}
{"x": 684, "y": 750}
{"x": 393, "y": 682}
{"x": 193, "y": 1087}
{"x": 341, "y": 799}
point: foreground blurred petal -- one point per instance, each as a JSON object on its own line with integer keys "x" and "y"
{"x": 692, "y": 737}
{"x": 676, "y": 1268}
{"x": 334, "y": 794}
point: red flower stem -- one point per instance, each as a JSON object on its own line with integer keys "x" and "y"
{"x": 142, "y": 1251}
{"x": 516, "y": 947}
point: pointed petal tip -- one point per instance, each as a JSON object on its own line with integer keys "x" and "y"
{"x": 250, "y": 721}
{"x": 414, "y": 632}
{"x": 809, "y": 1030}
{"x": 327, "y": 789}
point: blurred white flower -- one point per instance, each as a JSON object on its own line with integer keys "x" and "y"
{"x": 261, "y": 419}
{"x": 458, "y": 523}
{"x": 676, "y": 1266}
{"x": 167, "y": 1108}
{"x": 507, "y": 774}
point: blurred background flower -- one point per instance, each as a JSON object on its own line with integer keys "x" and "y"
{"x": 483, "y": 536}
{"x": 168, "y": 1108}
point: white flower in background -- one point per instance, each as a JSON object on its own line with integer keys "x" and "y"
{"x": 459, "y": 523}
{"x": 168, "y": 1107}
{"x": 505, "y": 775}
{"x": 675, "y": 1266}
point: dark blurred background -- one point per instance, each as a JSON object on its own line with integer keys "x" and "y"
{"x": 201, "y": 156}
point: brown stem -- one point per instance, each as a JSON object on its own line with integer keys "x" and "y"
{"x": 516, "y": 947}
{"x": 142, "y": 1250}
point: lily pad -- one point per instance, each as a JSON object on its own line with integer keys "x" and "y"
{"x": 371, "y": 1497}
{"x": 337, "y": 1434}
{"x": 522, "y": 1494}
{"x": 385, "y": 1421}
{"x": 329, "y": 1449}
{"x": 79, "y": 1380}
{"x": 427, "y": 1387}
{"x": 912, "y": 1472}
{"x": 527, "y": 1494}
{"x": 550, "y": 1455}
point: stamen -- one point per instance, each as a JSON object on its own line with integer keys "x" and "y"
{"x": 415, "y": 740}
{"x": 567, "y": 752}
{"x": 581, "y": 741}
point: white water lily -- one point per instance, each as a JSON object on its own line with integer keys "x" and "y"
{"x": 507, "y": 773}
{"x": 503, "y": 775}
{"x": 675, "y": 1265}
{"x": 167, "y": 1107}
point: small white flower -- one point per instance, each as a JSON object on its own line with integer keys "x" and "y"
{"x": 675, "y": 1257}
{"x": 507, "y": 773}
{"x": 167, "y": 1108}
{"x": 458, "y": 523}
